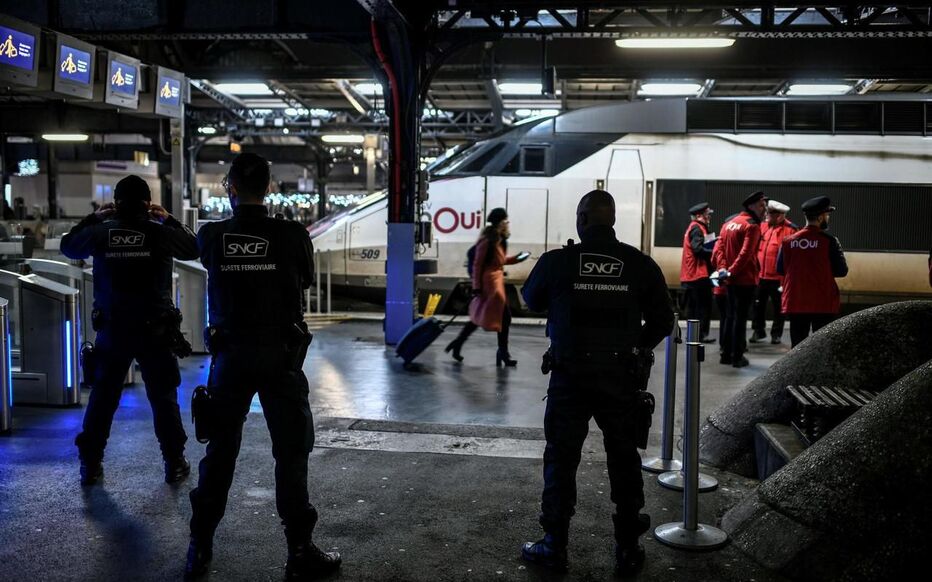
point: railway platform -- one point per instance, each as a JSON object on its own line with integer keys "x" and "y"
{"x": 424, "y": 474}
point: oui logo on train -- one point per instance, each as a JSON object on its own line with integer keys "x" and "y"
{"x": 244, "y": 246}
{"x": 804, "y": 244}
{"x": 593, "y": 265}
{"x": 121, "y": 237}
{"x": 447, "y": 219}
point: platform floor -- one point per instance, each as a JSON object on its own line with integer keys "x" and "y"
{"x": 431, "y": 474}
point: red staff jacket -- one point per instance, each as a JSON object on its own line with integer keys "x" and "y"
{"x": 736, "y": 250}
{"x": 695, "y": 263}
{"x": 810, "y": 260}
{"x": 771, "y": 237}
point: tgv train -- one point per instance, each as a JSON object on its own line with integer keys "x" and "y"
{"x": 658, "y": 158}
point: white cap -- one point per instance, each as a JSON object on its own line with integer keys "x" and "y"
{"x": 777, "y": 206}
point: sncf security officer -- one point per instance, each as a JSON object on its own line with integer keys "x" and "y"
{"x": 257, "y": 269}
{"x": 773, "y": 231}
{"x": 696, "y": 266}
{"x": 133, "y": 243}
{"x": 809, "y": 261}
{"x": 596, "y": 294}
{"x": 736, "y": 255}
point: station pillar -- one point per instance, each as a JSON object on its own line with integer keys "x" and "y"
{"x": 178, "y": 161}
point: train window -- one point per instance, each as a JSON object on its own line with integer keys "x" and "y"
{"x": 534, "y": 160}
{"x": 478, "y": 163}
{"x": 513, "y": 164}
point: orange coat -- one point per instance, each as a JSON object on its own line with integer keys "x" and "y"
{"x": 488, "y": 276}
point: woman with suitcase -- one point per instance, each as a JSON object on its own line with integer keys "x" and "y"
{"x": 489, "y": 306}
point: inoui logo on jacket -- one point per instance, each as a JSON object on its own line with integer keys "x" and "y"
{"x": 121, "y": 237}
{"x": 594, "y": 265}
{"x": 244, "y": 246}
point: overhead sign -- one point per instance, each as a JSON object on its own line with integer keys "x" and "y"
{"x": 169, "y": 91}
{"x": 74, "y": 64}
{"x": 17, "y": 48}
{"x": 124, "y": 78}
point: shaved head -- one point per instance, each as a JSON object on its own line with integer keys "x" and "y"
{"x": 597, "y": 208}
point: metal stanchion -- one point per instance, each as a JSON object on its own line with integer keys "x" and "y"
{"x": 666, "y": 462}
{"x": 6, "y": 379}
{"x": 675, "y": 480}
{"x": 690, "y": 534}
{"x": 329, "y": 263}
{"x": 317, "y": 278}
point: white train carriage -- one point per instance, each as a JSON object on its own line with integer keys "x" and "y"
{"x": 657, "y": 159}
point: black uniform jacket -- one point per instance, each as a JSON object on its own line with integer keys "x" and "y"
{"x": 132, "y": 262}
{"x": 601, "y": 296}
{"x": 257, "y": 269}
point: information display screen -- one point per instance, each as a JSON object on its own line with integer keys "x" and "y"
{"x": 74, "y": 64}
{"x": 17, "y": 48}
{"x": 169, "y": 91}
{"x": 124, "y": 78}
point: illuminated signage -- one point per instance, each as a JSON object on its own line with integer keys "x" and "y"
{"x": 123, "y": 78}
{"x": 169, "y": 91}
{"x": 74, "y": 64}
{"x": 17, "y": 49}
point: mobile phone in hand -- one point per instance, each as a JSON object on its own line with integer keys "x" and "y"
{"x": 523, "y": 255}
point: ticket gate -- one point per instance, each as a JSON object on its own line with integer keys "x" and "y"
{"x": 69, "y": 275}
{"x": 192, "y": 301}
{"x": 51, "y": 321}
{"x": 6, "y": 366}
{"x": 9, "y": 290}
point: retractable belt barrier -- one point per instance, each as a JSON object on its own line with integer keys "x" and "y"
{"x": 665, "y": 462}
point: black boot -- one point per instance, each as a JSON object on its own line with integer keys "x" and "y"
{"x": 629, "y": 554}
{"x": 503, "y": 357}
{"x": 455, "y": 346}
{"x": 308, "y": 562}
{"x": 549, "y": 551}
{"x": 92, "y": 471}
{"x": 200, "y": 553}
{"x": 177, "y": 469}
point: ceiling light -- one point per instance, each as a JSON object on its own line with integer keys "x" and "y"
{"x": 669, "y": 89}
{"x": 285, "y": 131}
{"x": 291, "y": 111}
{"x": 368, "y": 88}
{"x": 818, "y": 89}
{"x": 244, "y": 88}
{"x": 523, "y": 112}
{"x": 674, "y": 43}
{"x": 64, "y": 136}
{"x": 207, "y": 130}
{"x": 519, "y": 88}
{"x": 342, "y": 138}
{"x": 265, "y": 103}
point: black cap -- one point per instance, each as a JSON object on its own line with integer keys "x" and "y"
{"x": 755, "y": 197}
{"x": 817, "y": 205}
{"x": 496, "y": 216}
{"x": 132, "y": 189}
{"x": 698, "y": 208}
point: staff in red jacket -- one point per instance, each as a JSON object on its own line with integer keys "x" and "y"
{"x": 736, "y": 255}
{"x": 809, "y": 261}
{"x": 696, "y": 266}
{"x": 773, "y": 231}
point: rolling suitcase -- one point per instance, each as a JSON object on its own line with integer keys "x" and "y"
{"x": 419, "y": 337}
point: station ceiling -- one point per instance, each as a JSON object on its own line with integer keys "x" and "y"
{"x": 315, "y": 56}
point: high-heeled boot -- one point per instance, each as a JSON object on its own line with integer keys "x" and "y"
{"x": 455, "y": 346}
{"x": 503, "y": 357}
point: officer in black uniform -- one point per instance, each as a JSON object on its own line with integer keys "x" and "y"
{"x": 596, "y": 294}
{"x": 133, "y": 243}
{"x": 257, "y": 269}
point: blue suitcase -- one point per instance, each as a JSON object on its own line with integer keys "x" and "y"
{"x": 419, "y": 337}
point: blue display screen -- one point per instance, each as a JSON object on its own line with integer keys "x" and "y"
{"x": 123, "y": 78}
{"x": 74, "y": 64}
{"x": 170, "y": 91}
{"x": 17, "y": 49}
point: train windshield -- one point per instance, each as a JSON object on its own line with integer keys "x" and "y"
{"x": 321, "y": 226}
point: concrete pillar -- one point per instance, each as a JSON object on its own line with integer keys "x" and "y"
{"x": 179, "y": 160}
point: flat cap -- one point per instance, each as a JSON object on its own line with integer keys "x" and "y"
{"x": 817, "y": 205}
{"x": 755, "y": 197}
{"x": 775, "y": 206}
{"x": 696, "y": 209}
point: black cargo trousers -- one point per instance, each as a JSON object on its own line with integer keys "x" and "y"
{"x": 578, "y": 393}
{"x": 117, "y": 346}
{"x": 240, "y": 368}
